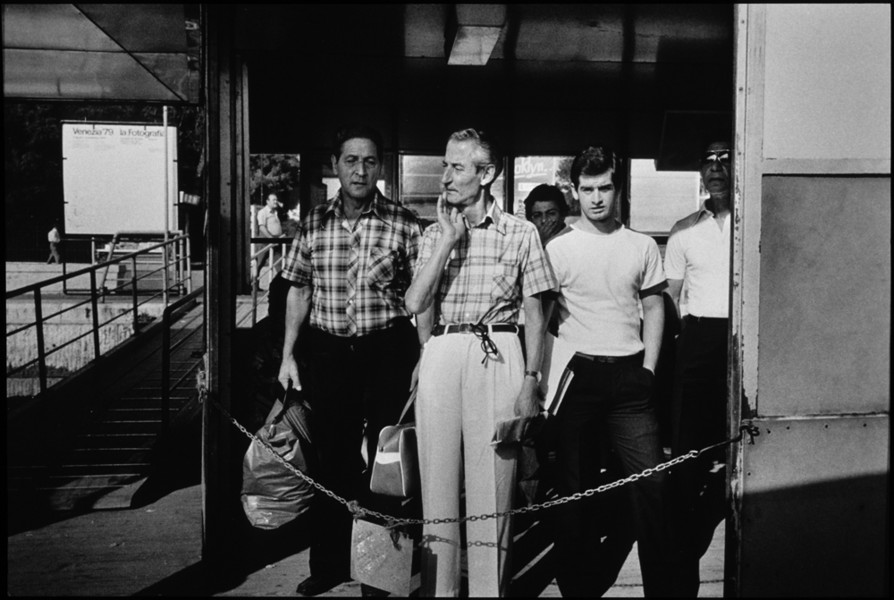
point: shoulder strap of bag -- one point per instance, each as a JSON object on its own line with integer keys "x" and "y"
{"x": 410, "y": 401}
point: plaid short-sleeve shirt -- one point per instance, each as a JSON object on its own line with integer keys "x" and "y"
{"x": 490, "y": 270}
{"x": 359, "y": 272}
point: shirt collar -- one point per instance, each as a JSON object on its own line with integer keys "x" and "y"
{"x": 335, "y": 207}
{"x": 704, "y": 211}
{"x": 495, "y": 215}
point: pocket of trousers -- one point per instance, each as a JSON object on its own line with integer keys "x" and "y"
{"x": 636, "y": 382}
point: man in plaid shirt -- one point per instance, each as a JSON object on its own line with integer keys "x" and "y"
{"x": 350, "y": 265}
{"x": 478, "y": 268}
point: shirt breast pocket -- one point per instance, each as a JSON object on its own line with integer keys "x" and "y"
{"x": 505, "y": 283}
{"x": 382, "y": 267}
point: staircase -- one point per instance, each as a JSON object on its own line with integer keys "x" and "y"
{"x": 93, "y": 443}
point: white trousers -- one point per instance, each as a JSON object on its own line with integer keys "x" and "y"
{"x": 459, "y": 402}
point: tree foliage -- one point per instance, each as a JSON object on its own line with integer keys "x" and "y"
{"x": 273, "y": 174}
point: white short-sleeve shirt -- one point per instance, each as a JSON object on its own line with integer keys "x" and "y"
{"x": 699, "y": 255}
{"x": 601, "y": 279}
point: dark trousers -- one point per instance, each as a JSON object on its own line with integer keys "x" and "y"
{"x": 352, "y": 380}
{"x": 699, "y": 420}
{"x": 615, "y": 399}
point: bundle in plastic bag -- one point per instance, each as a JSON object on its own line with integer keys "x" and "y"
{"x": 272, "y": 495}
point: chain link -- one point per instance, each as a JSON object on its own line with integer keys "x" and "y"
{"x": 354, "y": 507}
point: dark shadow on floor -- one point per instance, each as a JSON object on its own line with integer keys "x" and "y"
{"x": 257, "y": 549}
{"x": 176, "y": 460}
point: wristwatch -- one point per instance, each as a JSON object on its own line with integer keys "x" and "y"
{"x": 534, "y": 374}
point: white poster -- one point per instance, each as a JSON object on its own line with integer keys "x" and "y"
{"x": 114, "y": 178}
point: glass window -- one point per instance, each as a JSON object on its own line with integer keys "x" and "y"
{"x": 278, "y": 174}
{"x": 420, "y": 184}
{"x": 531, "y": 171}
{"x": 658, "y": 199}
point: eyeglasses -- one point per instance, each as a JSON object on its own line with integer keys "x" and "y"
{"x": 721, "y": 156}
{"x": 487, "y": 345}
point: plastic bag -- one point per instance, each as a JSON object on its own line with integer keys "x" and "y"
{"x": 272, "y": 495}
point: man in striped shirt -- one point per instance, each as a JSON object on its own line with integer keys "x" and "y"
{"x": 350, "y": 264}
{"x": 478, "y": 268}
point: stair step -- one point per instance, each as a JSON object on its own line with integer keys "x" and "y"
{"x": 126, "y": 427}
{"x": 102, "y": 469}
{"x": 96, "y": 481}
{"x": 114, "y": 440}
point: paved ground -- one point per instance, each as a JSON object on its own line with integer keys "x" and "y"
{"x": 155, "y": 550}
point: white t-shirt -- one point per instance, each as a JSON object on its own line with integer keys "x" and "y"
{"x": 600, "y": 281}
{"x": 700, "y": 255}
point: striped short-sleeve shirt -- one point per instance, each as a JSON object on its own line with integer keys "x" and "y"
{"x": 359, "y": 272}
{"x": 490, "y": 270}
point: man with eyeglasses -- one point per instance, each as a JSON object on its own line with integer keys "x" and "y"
{"x": 698, "y": 254}
{"x": 478, "y": 267}
{"x": 607, "y": 273}
{"x": 349, "y": 266}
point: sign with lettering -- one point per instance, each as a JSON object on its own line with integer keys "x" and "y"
{"x": 114, "y": 177}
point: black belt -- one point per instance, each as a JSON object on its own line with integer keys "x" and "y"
{"x": 472, "y": 328}
{"x": 638, "y": 357}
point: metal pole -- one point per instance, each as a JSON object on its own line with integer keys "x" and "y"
{"x": 41, "y": 349}
{"x": 179, "y": 250}
{"x": 165, "y": 367}
{"x": 133, "y": 285}
{"x": 188, "y": 265}
{"x": 164, "y": 252}
{"x": 95, "y": 307}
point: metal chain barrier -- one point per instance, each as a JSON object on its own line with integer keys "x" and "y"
{"x": 359, "y": 512}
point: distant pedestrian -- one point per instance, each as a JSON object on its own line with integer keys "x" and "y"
{"x": 55, "y": 238}
{"x": 270, "y": 226}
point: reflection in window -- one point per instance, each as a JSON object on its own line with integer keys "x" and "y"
{"x": 658, "y": 199}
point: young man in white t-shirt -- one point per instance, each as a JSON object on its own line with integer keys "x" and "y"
{"x": 606, "y": 272}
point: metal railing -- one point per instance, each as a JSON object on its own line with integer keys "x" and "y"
{"x": 117, "y": 244}
{"x": 275, "y": 250}
{"x": 167, "y": 350}
{"x": 175, "y": 259}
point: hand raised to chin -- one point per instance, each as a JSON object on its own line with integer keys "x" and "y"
{"x": 453, "y": 224}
